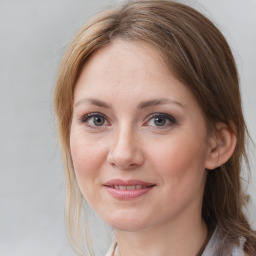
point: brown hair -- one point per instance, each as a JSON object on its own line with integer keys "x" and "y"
{"x": 198, "y": 55}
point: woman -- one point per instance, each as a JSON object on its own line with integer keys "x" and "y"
{"x": 153, "y": 134}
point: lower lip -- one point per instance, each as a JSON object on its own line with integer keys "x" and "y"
{"x": 127, "y": 194}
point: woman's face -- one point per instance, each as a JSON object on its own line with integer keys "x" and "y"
{"x": 138, "y": 140}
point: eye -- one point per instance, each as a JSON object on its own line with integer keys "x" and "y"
{"x": 160, "y": 120}
{"x": 94, "y": 120}
{"x": 98, "y": 120}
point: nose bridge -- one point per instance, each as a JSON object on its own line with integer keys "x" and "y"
{"x": 125, "y": 151}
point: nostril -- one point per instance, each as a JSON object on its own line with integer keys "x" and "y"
{"x": 123, "y": 166}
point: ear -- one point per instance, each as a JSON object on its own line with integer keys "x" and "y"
{"x": 221, "y": 147}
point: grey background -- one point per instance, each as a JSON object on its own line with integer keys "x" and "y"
{"x": 33, "y": 37}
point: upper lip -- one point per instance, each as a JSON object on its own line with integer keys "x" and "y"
{"x": 119, "y": 182}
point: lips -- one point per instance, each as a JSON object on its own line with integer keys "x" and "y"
{"x": 130, "y": 189}
{"x": 119, "y": 182}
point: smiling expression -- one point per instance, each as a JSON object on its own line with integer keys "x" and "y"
{"x": 138, "y": 139}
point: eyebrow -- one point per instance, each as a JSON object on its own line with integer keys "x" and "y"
{"x": 144, "y": 104}
{"x": 96, "y": 102}
{"x": 156, "y": 102}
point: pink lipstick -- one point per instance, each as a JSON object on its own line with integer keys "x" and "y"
{"x": 130, "y": 189}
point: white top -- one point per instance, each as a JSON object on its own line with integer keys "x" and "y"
{"x": 210, "y": 249}
{"x": 213, "y": 245}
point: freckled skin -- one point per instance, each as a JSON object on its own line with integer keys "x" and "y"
{"x": 128, "y": 146}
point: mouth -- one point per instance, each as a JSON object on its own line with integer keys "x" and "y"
{"x": 128, "y": 189}
{"x": 131, "y": 187}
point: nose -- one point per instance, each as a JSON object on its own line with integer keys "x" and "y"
{"x": 125, "y": 151}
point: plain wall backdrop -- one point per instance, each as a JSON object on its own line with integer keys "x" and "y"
{"x": 33, "y": 38}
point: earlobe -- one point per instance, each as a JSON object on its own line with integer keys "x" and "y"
{"x": 221, "y": 147}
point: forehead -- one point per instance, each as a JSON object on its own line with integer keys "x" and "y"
{"x": 125, "y": 57}
{"x": 128, "y": 70}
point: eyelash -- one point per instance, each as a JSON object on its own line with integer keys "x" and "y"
{"x": 166, "y": 117}
{"x": 170, "y": 119}
{"x": 86, "y": 118}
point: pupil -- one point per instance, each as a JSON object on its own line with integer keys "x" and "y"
{"x": 160, "y": 121}
{"x": 98, "y": 121}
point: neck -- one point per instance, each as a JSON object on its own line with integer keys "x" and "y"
{"x": 179, "y": 239}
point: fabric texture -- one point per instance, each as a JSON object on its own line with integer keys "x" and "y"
{"x": 214, "y": 243}
{"x": 210, "y": 250}
{"x": 112, "y": 249}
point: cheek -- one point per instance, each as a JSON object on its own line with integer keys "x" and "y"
{"x": 80, "y": 155}
{"x": 86, "y": 156}
{"x": 181, "y": 159}
{"x": 87, "y": 159}
{"x": 180, "y": 166}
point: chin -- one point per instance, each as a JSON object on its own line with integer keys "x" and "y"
{"x": 128, "y": 226}
{"x": 128, "y": 223}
